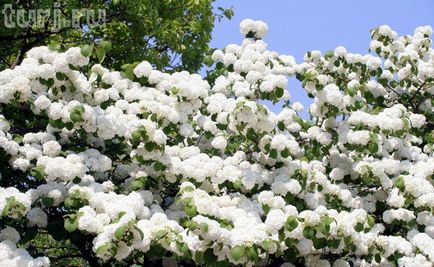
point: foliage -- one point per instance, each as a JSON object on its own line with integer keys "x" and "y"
{"x": 173, "y": 35}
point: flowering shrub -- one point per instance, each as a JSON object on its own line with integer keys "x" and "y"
{"x": 141, "y": 166}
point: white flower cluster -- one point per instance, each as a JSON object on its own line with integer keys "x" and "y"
{"x": 258, "y": 28}
{"x": 205, "y": 171}
{"x": 11, "y": 255}
{"x": 13, "y": 203}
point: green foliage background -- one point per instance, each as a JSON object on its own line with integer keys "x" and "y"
{"x": 171, "y": 34}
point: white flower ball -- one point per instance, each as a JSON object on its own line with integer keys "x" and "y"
{"x": 219, "y": 142}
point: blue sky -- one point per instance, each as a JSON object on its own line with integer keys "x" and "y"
{"x": 297, "y": 26}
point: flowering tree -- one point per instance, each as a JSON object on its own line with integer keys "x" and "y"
{"x": 144, "y": 167}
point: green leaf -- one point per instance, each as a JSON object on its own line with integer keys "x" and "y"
{"x": 129, "y": 74}
{"x": 9, "y": 202}
{"x": 106, "y": 45}
{"x": 351, "y": 91}
{"x": 378, "y": 258}
{"x": 399, "y": 183}
{"x": 100, "y": 53}
{"x": 70, "y": 224}
{"x": 285, "y": 153}
{"x": 158, "y": 166}
{"x": 229, "y": 13}
{"x": 190, "y": 210}
{"x": 279, "y": 92}
{"x": 237, "y": 252}
{"x": 69, "y": 126}
{"x": 136, "y": 138}
{"x": 252, "y": 254}
{"x": 47, "y": 201}
{"x": 250, "y": 34}
{"x": 237, "y": 184}
{"x": 281, "y": 234}
{"x": 327, "y": 220}
{"x": 119, "y": 233}
{"x": 309, "y": 232}
{"x": 150, "y": 146}
{"x": 129, "y": 71}
{"x": 60, "y": 76}
{"x": 371, "y": 221}
{"x": 373, "y": 148}
{"x": 54, "y": 46}
{"x": 160, "y": 234}
{"x": 291, "y": 223}
{"x": 281, "y": 126}
{"x": 50, "y": 82}
{"x": 140, "y": 232}
{"x": 334, "y": 243}
{"x": 37, "y": 172}
{"x": 273, "y": 153}
{"x": 203, "y": 228}
{"x": 86, "y": 50}
{"x": 184, "y": 249}
{"x": 75, "y": 116}
{"x": 359, "y": 227}
{"x": 359, "y": 104}
{"x": 328, "y": 55}
{"x": 267, "y": 147}
{"x": 69, "y": 202}
{"x": 191, "y": 225}
{"x": 266, "y": 244}
{"x": 209, "y": 257}
{"x": 137, "y": 185}
{"x": 291, "y": 254}
{"x": 251, "y": 135}
{"x": 80, "y": 108}
{"x": 325, "y": 228}
{"x": 207, "y": 60}
{"x": 106, "y": 247}
{"x": 319, "y": 243}
{"x": 265, "y": 208}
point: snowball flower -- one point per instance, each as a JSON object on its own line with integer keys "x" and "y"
{"x": 9, "y": 233}
{"x": 219, "y": 142}
{"x": 257, "y": 28}
{"x": 143, "y": 69}
{"x": 38, "y": 217}
{"x": 51, "y": 148}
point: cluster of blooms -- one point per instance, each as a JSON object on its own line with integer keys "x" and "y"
{"x": 257, "y": 29}
{"x": 11, "y": 255}
{"x": 202, "y": 171}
